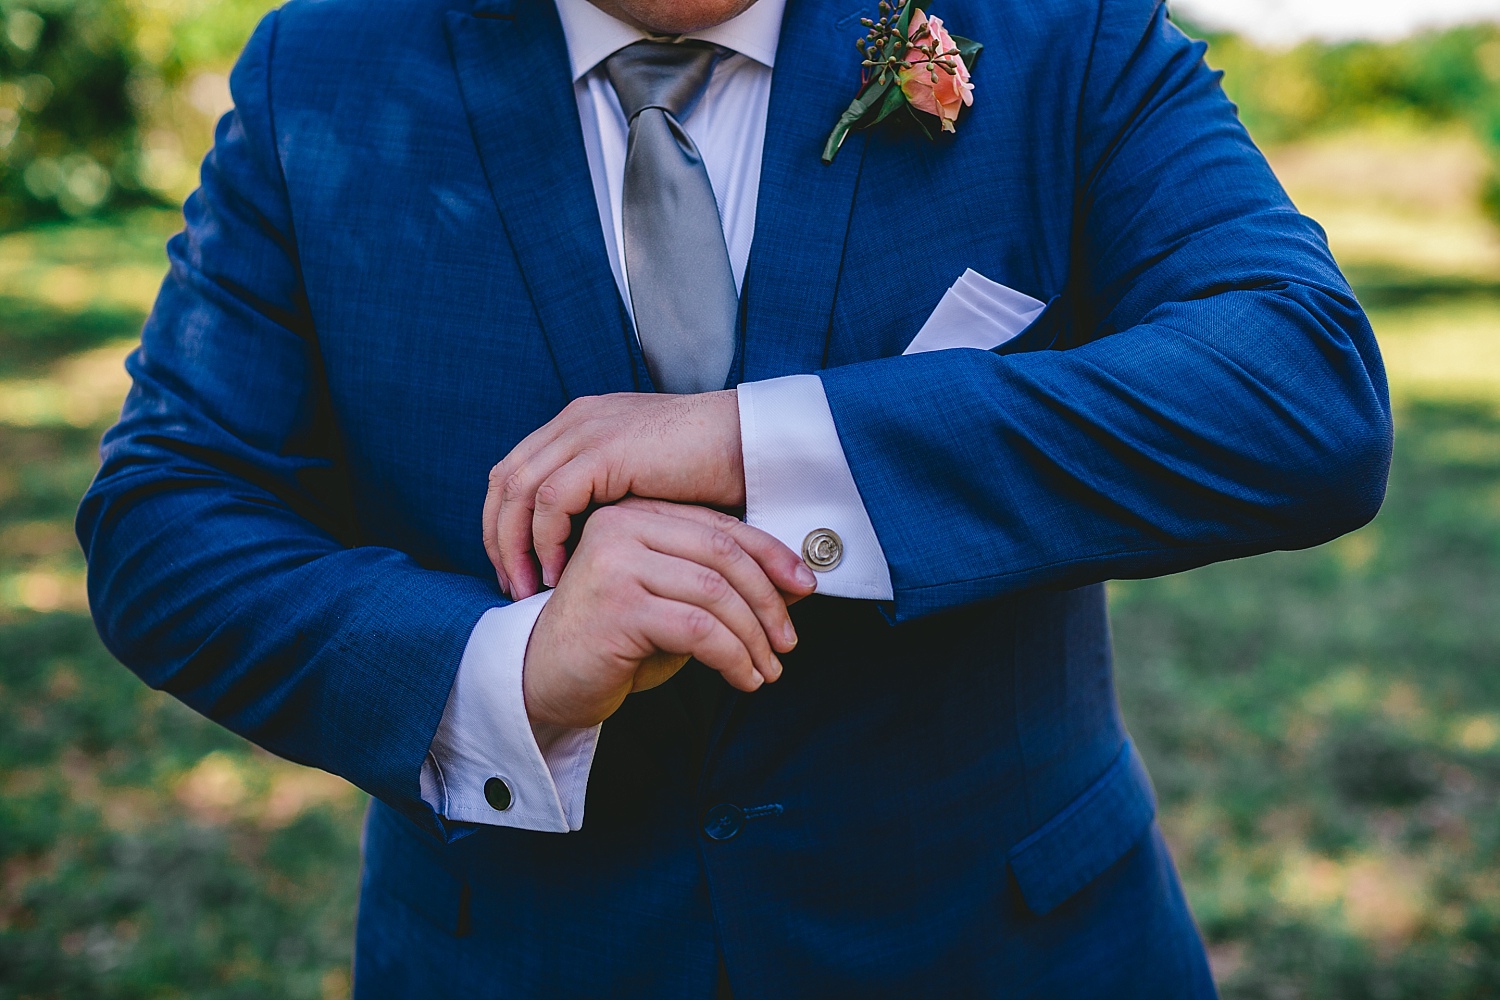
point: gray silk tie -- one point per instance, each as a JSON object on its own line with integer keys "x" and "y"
{"x": 682, "y": 288}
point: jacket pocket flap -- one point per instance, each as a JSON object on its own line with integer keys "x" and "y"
{"x": 1091, "y": 833}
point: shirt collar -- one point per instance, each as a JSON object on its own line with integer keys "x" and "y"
{"x": 594, "y": 36}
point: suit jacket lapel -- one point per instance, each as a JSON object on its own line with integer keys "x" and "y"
{"x": 526, "y": 127}
{"x": 803, "y": 208}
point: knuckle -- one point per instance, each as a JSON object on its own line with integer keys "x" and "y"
{"x": 607, "y": 520}
{"x": 722, "y": 544}
{"x": 721, "y": 520}
{"x": 608, "y": 558}
{"x": 712, "y": 585}
{"x": 547, "y": 495}
{"x": 697, "y": 624}
{"x": 514, "y": 489}
{"x": 497, "y": 474}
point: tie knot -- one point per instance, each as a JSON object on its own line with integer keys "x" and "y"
{"x": 666, "y": 75}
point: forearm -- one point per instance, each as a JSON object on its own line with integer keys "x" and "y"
{"x": 339, "y": 658}
{"x": 1205, "y": 385}
{"x": 1231, "y": 425}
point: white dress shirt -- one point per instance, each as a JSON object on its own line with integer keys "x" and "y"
{"x": 796, "y": 477}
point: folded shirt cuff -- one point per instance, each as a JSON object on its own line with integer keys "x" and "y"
{"x": 798, "y": 481}
{"x": 486, "y": 735}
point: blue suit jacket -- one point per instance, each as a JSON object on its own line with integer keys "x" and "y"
{"x": 394, "y": 271}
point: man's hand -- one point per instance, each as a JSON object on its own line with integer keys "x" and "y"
{"x": 596, "y": 451}
{"x": 650, "y": 585}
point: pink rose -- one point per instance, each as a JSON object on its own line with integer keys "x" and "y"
{"x": 935, "y": 79}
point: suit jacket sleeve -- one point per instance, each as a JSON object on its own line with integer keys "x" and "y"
{"x": 1212, "y": 388}
{"x": 223, "y": 566}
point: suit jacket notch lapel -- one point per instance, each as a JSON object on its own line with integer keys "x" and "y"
{"x": 804, "y": 206}
{"x": 530, "y": 142}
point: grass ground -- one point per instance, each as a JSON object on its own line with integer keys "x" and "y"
{"x": 143, "y": 851}
{"x": 1323, "y": 727}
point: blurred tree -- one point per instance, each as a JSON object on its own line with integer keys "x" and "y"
{"x": 104, "y": 102}
{"x": 66, "y": 123}
{"x": 107, "y": 101}
{"x": 1433, "y": 77}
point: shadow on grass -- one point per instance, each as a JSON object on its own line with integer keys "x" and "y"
{"x": 1391, "y": 287}
{"x": 33, "y": 335}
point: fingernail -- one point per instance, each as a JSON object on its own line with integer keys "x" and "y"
{"x": 549, "y": 578}
{"x": 759, "y": 680}
{"x": 776, "y": 669}
{"x": 789, "y": 635}
{"x": 805, "y": 577}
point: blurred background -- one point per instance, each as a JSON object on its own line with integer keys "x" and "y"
{"x": 1323, "y": 726}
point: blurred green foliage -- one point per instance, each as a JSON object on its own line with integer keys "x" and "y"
{"x": 107, "y": 102}
{"x": 1431, "y": 78}
{"x": 1286, "y": 94}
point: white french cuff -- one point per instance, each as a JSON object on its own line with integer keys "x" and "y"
{"x": 485, "y": 736}
{"x": 797, "y": 481}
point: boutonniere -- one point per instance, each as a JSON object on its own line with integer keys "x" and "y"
{"x": 911, "y": 63}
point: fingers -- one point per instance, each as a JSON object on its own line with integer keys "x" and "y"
{"x": 544, "y": 482}
{"x": 691, "y": 583}
{"x": 691, "y": 630}
{"x": 781, "y": 565}
{"x": 489, "y": 524}
{"x": 494, "y": 498}
{"x": 512, "y": 556}
{"x": 710, "y": 546}
{"x": 581, "y": 480}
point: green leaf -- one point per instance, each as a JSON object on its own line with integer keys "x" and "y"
{"x": 861, "y": 108}
{"x": 968, "y": 50}
{"x": 924, "y": 122}
{"x": 904, "y": 21}
{"x": 894, "y": 99}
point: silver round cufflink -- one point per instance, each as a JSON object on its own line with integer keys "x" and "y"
{"x": 822, "y": 550}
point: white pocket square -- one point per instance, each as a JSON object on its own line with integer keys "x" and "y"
{"x": 975, "y": 312}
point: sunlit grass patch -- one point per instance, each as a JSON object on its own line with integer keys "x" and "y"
{"x": 143, "y": 850}
{"x": 1395, "y": 196}
{"x": 66, "y": 289}
{"x": 1444, "y": 349}
{"x": 104, "y": 263}
{"x": 1324, "y": 730}
{"x": 80, "y": 390}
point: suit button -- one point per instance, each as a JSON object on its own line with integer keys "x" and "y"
{"x": 497, "y": 794}
{"x": 822, "y": 549}
{"x": 723, "y": 821}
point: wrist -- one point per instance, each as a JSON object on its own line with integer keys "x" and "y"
{"x": 538, "y": 712}
{"x": 731, "y": 447}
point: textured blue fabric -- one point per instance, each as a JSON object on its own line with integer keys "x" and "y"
{"x": 1088, "y": 836}
{"x": 1213, "y": 389}
{"x": 393, "y": 271}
